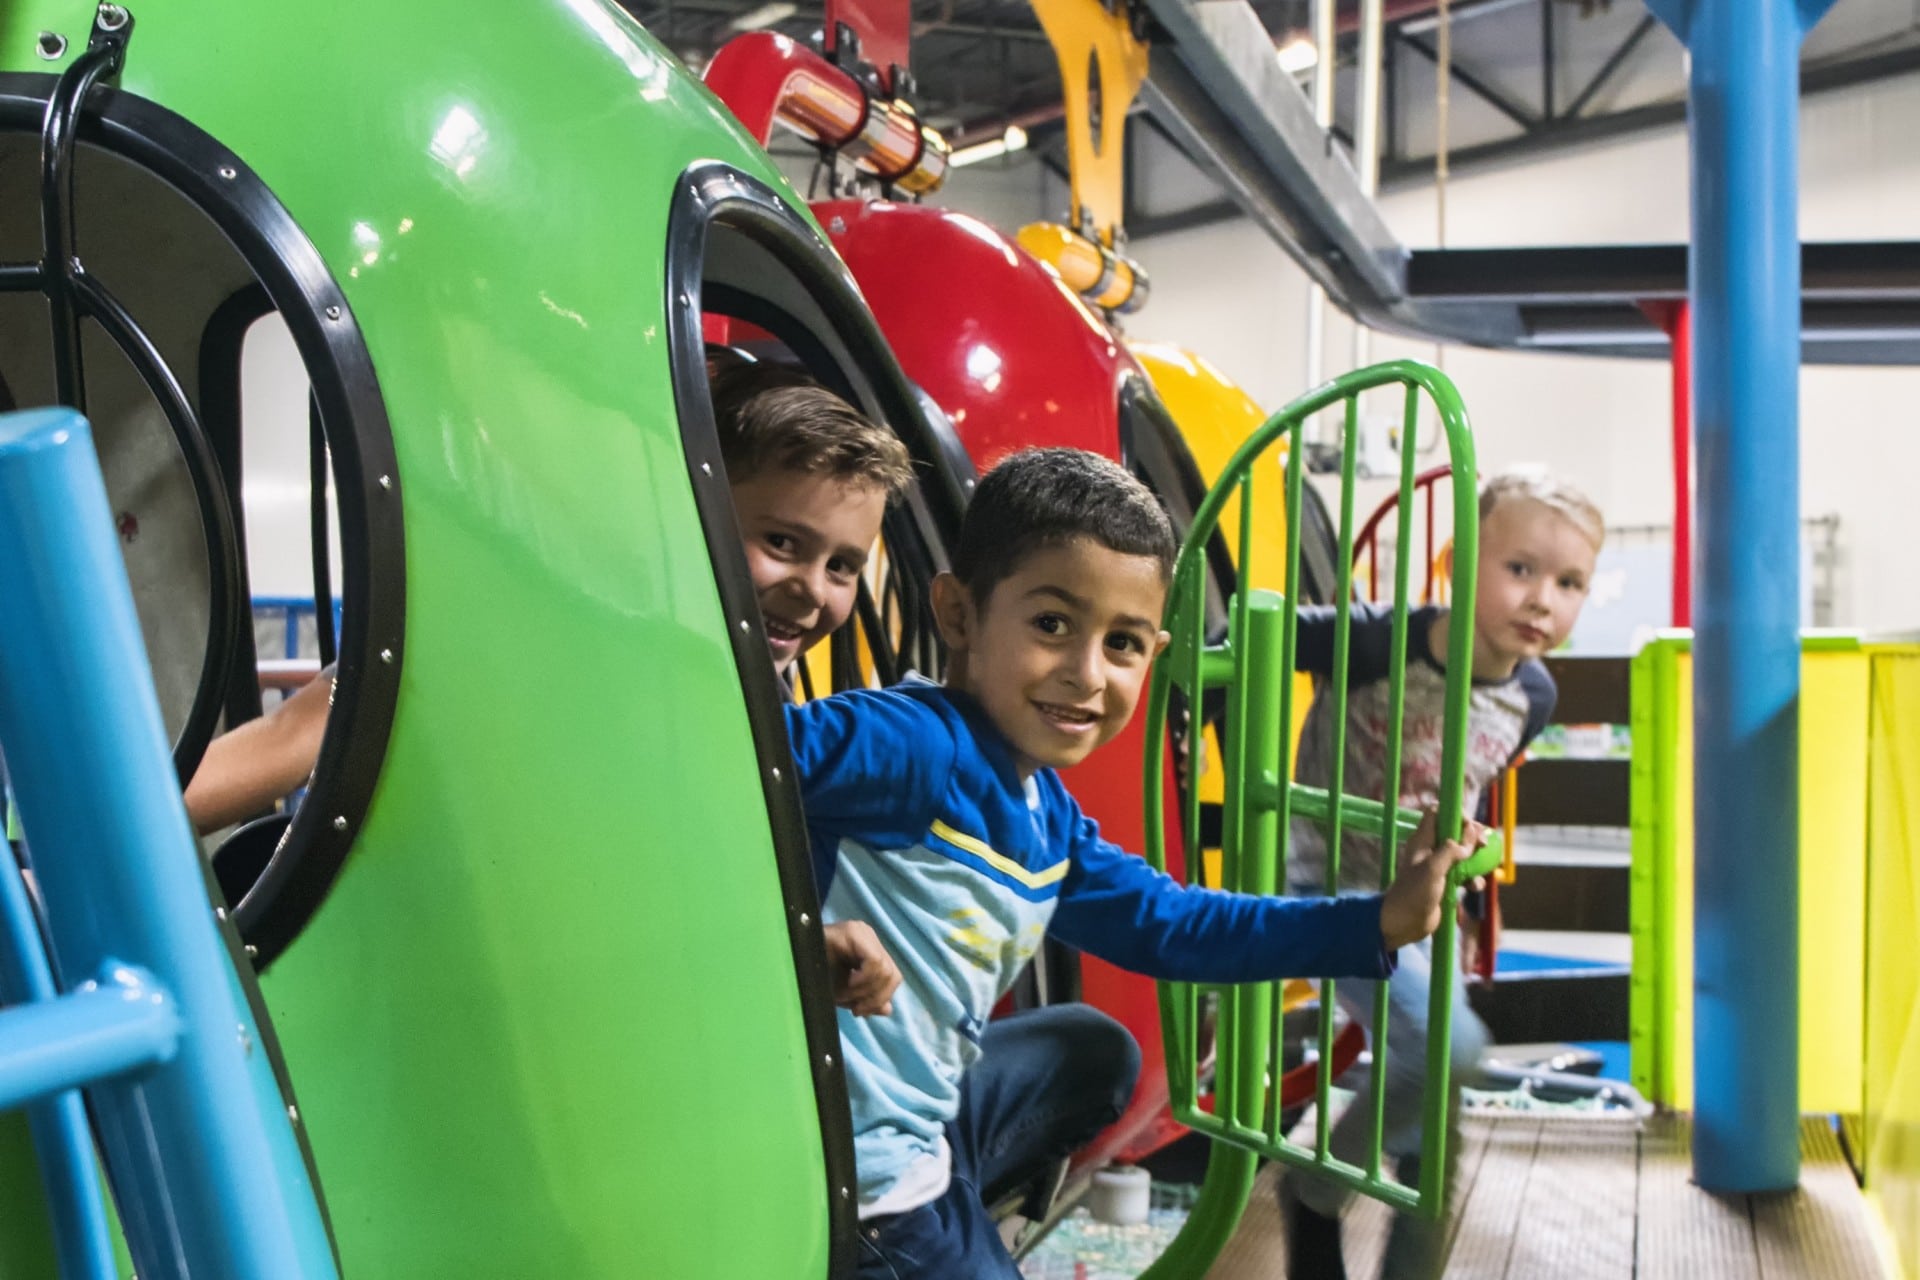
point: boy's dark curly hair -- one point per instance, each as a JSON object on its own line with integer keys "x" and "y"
{"x": 1040, "y": 498}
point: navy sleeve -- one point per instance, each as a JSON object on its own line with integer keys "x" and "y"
{"x": 872, "y": 766}
{"x": 1369, "y": 639}
{"x": 1542, "y": 695}
{"x": 1114, "y": 906}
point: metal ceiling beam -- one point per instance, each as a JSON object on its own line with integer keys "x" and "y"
{"x": 1475, "y": 85}
{"x": 1815, "y": 78}
{"x": 1614, "y": 62}
{"x": 1215, "y": 86}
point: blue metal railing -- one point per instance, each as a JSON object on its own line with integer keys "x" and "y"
{"x": 293, "y": 610}
{"x": 148, "y": 1015}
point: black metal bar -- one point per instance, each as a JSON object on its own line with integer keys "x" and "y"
{"x": 1612, "y": 64}
{"x": 322, "y": 550}
{"x": 1546, "y": 59}
{"x": 1391, "y": 58}
{"x": 1476, "y": 86}
{"x": 57, "y": 265}
{"x": 20, "y": 278}
{"x": 1200, "y": 215}
{"x": 224, "y": 614}
{"x": 1840, "y": 74}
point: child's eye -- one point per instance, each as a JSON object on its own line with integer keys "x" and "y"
{"x": 842, "y": 569}
{"x": 1573, "y": 584}
{"x": 1051, "y": 623}
{"x": 780, "y": 541}
{"x": 1519, "y": 568}
{"x": 1126, "y": 642}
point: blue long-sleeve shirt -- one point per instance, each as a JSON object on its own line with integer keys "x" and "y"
{"x": 922, "y": 827}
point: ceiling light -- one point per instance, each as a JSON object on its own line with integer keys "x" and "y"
{"x": 1296, "y": 54}
{"x": 765, "y": 16}
{"x": 1014, "y": 139}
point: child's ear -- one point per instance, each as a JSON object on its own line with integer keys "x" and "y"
{"x": 952, "y": 610}
{"x": 1160, "y": 643}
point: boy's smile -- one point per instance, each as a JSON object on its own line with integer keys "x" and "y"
{"x": 1060, "y": 652}
{"x": 806, "y": 537}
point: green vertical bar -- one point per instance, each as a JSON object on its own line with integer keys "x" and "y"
{"x": 1283, "y": 773}
{"x": 1390, "y": 795}
{"x": 1453, "y": 754}
{"x": 1336, "y": 785}
{"x": 1233, "y": 1035}
{"x": 1260, "y": 851}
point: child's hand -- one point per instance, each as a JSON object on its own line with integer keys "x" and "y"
{"x": 1410, "y": 910}
{"x": 864, "y": 976}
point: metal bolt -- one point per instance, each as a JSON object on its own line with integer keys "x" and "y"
{"x": 52, "y": 45}
{"x": 828, "y": 1059}
{"x": 333, "y": 313}
{"x": 846, "y": 1193}
{"x": 111, "y": 17}
{"x": 340, "y": 823}
{"x": 386, "y": 656}
{"x": 745, "y": 625}
{"x": 706, "y": 468}
{"x": 220, "y": 914}
{"x": 776, "y": 773}
{"x": 252, "y": 951}
{"x": 293, "y": 1113}
{"x": 386, "y": 482}
{"x": 805, "y": 918}
{"x": 228, "y": 172}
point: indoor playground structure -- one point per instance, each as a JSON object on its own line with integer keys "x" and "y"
{"x": 374, "y": 345}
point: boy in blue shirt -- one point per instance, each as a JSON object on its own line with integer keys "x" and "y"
{"x": 937, "y": 818}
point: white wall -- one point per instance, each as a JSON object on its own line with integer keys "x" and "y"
{"x": 1228, "y": 293}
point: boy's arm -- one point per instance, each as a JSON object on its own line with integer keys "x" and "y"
{"x": 871, "y": 764}
{"x": 1542, "y": 696}
{"x": 1369, "y": 640}
{"x": 245, "y": 770}
{"x": 1116, "y": 907}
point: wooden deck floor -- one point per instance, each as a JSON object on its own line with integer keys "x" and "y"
{"x": 1580, "y": 1198}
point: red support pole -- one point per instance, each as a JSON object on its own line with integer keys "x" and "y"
{"x": 1679, "y": 328}
{"x": 1676, "y": 320}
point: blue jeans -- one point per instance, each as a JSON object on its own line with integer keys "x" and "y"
{"x": 1414, "y": 1244}
{"x": 1046, "y": 1082}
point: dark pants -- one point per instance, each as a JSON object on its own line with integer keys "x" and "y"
{"x": 1046, "y": 1082}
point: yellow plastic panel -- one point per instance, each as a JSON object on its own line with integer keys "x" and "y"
{"x": 1892, "y": 1072}
{"x": 1833, "y": 876}
{"x": 1215, "y": 418}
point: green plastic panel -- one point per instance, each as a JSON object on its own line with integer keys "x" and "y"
{"x": 546, "y": 1024}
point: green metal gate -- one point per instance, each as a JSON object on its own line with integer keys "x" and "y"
{"x": 1254, "y": 668}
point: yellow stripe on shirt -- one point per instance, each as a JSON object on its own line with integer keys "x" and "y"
{"x": 1005, "y": 865}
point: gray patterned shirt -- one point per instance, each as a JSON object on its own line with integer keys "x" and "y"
{"x": 1502, "y": 718}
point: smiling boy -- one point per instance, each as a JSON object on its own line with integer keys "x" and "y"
{"x": 956, "y": 841}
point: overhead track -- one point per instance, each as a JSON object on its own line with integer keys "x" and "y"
{"x": 1215, "y": 88}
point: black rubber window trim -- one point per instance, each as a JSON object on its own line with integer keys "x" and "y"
{"x": 707, "y": 193}
{"x": 297, "y": 284}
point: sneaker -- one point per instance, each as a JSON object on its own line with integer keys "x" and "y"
{"x": 1313, "y": 1240}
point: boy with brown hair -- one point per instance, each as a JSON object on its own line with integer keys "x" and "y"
{"x": 954, "y": 838}
{"x": 812, "y": 478}
{"x": 1539, "y": 538}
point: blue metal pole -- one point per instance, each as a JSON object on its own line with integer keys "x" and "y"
{"x": 62, "y": 1139}
{"x": 207, "y": 1169}
{"x": 1743, "y": 104}
{"x": 103, "y": 1030}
